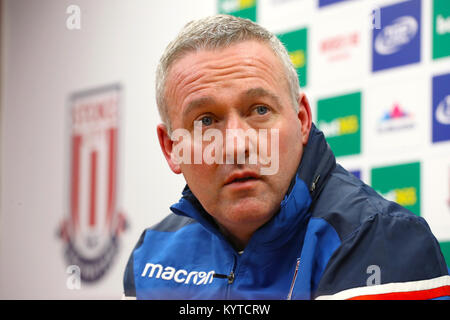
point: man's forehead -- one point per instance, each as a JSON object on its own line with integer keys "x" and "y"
{"x": 245, "y": 52}
{"x": 252, "y": 59}
{"x": 203, "y": 62}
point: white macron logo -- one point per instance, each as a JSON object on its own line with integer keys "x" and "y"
{"x": 180, "y": 276}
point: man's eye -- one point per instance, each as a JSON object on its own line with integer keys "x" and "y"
{"x": 206, "y": 120}
{"x": 261, "y": 110}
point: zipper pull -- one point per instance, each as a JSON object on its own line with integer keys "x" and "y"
{"x": 230, "y": 277}
{"x": 289, "y": 297}
{"x": 313, "y": 185}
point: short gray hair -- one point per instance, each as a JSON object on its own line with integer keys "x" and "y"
{"x": 215, "y": 32}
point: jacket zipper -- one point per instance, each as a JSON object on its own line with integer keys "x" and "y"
{"x": 230, "y": 277}
{"x": 289, "y": 297}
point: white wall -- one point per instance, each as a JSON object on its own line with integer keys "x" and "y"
{"x": 43, "y": 63}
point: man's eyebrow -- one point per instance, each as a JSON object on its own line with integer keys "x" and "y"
{"x": 197, "y": 103}
{"x": 260, "y": 92}
{"x": 257, "y": 92}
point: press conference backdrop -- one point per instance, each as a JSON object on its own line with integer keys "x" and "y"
{"x": 81, "y": 170}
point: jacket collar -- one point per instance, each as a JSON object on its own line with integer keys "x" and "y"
{"x": 304, "y": 189}
{"x": 317, "y": 162}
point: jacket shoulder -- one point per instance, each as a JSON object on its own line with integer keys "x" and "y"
{"x": 376, "y": 235}
{"x": 346, "y": 203}
{"x": 170, "y": 224}
{"x": 392, "y": 252}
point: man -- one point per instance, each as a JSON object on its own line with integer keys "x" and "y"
{"x": 291, "y": 225}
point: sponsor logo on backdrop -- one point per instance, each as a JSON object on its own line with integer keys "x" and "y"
{"x": 340, "y": 126}
{"x": 397, "y": 42}
{"x": 396, "y": 35}
{"x": 296, "y": 45}
{"x": 445, "y": 248}
{"x": 239, "y": 8}
{"x": 442, "y": 25}
{"x": 297, "y": 58}
{"x": 340, "y": 120}
{"x": 441, "y": 108}
{"x": 399, "y": 183}
{"x": 404, "y": 196}
{"x": 94, "y": 223}
{"x": 338, "y": 47}
{"x": 395, "y": 119}
{"x": 323, "y": 3}
{"x": 443, "y": 111}
{"x": 441, "y": 28}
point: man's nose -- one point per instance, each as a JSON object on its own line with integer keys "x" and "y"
{"x": 236, "y": 146}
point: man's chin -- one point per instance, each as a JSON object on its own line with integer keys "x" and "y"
{"x": 249, "y": 211}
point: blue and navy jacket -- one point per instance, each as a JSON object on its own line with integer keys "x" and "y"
{"x": 334, "y": 237}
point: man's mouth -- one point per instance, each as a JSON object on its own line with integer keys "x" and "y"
{"x": 241, "y": 177}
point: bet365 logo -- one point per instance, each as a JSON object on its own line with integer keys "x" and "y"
{"x": 239, "y": 8}
{"x": 340, "y": 120}
{"x": 296, "y": 45}
{"x": 441, "y": 28}
{"x": 399, "y": 183}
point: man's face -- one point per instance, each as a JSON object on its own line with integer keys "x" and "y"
{"x": 243, "y": 87}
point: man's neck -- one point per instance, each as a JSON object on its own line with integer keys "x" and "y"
{"x": 238, "y": 242}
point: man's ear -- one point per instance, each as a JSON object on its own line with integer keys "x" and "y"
{"x": 305, "y": 117}
{"x": 166, "y": 144}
